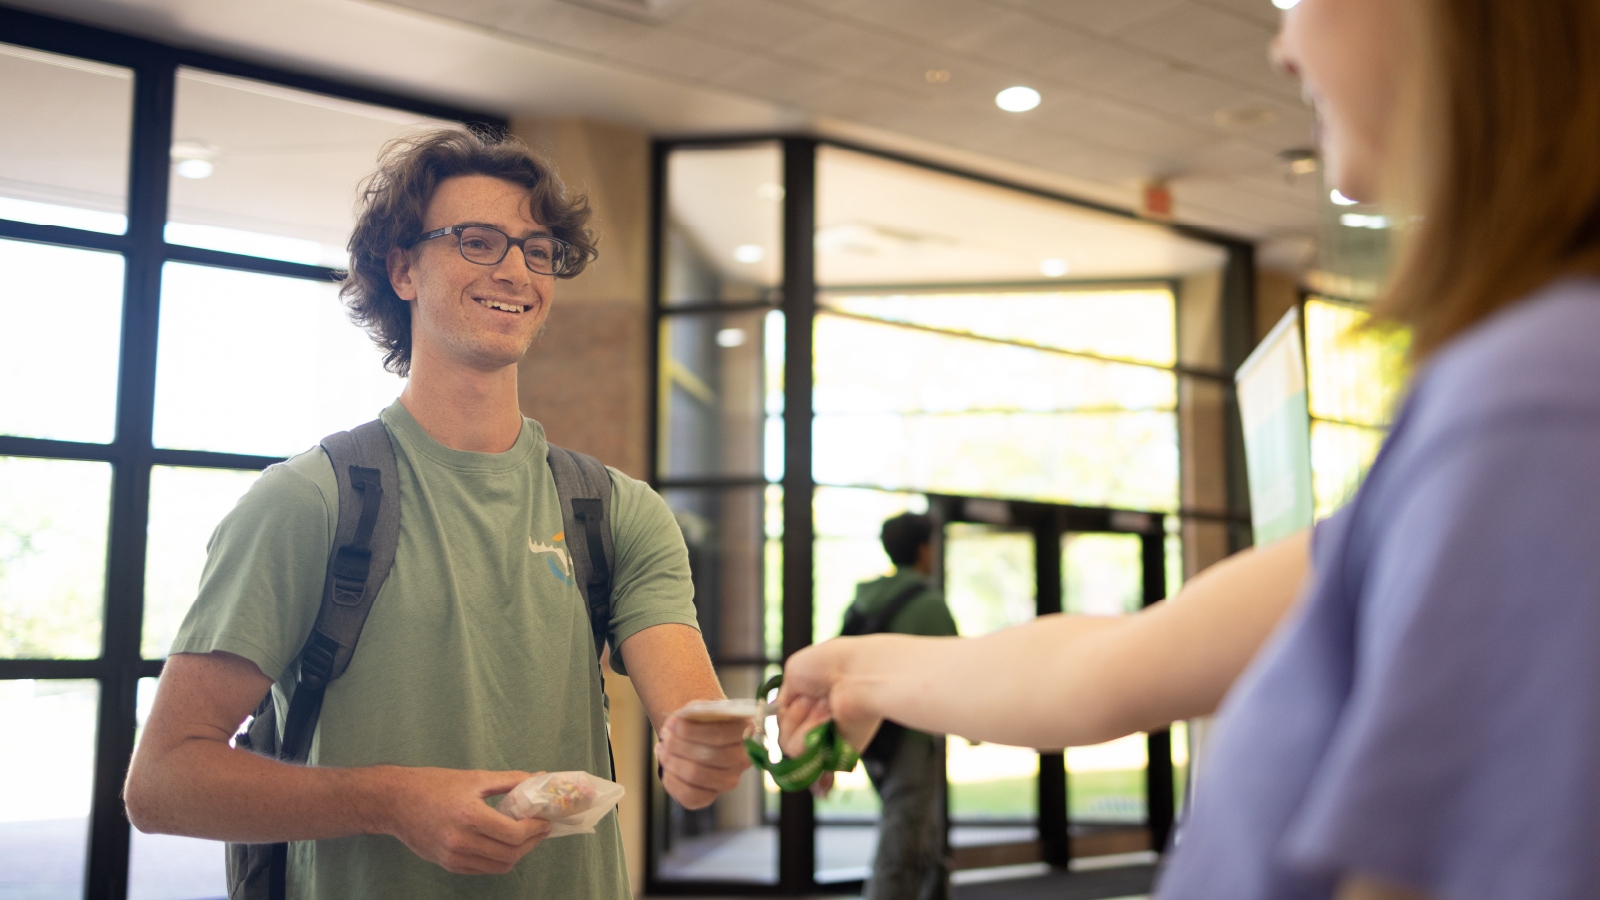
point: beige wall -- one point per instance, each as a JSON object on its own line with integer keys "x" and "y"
{"x": 1275, "y": 293}
{"x": 586, "y": 379}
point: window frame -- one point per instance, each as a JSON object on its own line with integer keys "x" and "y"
{"x": 797, "y": 298}
{"x": 131, "y": 453}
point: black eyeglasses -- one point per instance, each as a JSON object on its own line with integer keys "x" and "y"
{"x": 486, "y": 245}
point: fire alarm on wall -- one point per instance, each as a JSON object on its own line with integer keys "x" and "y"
{"x": 1155, "y": 201}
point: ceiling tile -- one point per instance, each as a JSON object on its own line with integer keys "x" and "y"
{"x": 1101, "y": 65}
{"x": 1194, "y": 34}
{"x": 1014, "y": 39}
{"x": 847, "y": 48}
{"x": 1105, "y": 17}
{"x": 1180, "y": 94}
{"x": 1251, "y": 67}
{"x": 1260, "y": 10}
{"x": 756, "y": 24}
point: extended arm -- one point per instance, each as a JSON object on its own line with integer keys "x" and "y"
{"x": 186, "y": 779}
{"x": 670, "y": 668}
{"x": 1060, "y": 680}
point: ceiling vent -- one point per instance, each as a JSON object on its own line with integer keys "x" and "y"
{"x": 642, "y": 10}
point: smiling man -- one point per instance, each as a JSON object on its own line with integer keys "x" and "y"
{"x": 476, "y": 666}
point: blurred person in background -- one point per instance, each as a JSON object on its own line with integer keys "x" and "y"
{"x": 1408, "y": 702}
{"x": 906, "y": 767}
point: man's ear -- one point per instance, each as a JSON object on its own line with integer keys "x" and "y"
{"x": 398, "y": 263}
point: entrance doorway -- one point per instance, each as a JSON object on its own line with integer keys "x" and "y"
{"x": 1002, "y": 563}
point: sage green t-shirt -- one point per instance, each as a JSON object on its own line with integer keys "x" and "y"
{"x": 477, "y": 653}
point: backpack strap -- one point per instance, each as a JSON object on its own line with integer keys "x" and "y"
{"x": 364, "y": 548}
{"x": 878, "y": 622}
{"x": 583, "y": 488}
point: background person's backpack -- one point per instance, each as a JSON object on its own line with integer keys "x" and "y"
{"x": 880, "y": 752}
{"x": 364, "y": 549}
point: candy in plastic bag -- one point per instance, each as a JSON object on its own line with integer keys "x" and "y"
{"x": 573, "y": 802}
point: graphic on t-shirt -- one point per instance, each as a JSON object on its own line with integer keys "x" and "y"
{"x": 559, "y": 561}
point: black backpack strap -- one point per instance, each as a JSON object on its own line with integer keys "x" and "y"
{"x": 583, "y": 488}
{"x": 363, "y": 553}
{"x": 878, "y": 622}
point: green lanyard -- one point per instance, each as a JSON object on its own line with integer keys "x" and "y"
{"x": 825, "y": 751}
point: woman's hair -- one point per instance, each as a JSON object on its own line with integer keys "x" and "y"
{"x": 1495, "y": 171}
{"x": 392, "y": 202}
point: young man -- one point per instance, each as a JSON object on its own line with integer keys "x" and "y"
{"x": 476, "y": 666}
{"x": 906, "y": 767}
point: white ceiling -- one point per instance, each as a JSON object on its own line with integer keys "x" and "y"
{"x": 1133, "y": 89}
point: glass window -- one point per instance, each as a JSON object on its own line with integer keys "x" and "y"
{"x": 724, "y": 531}
{"x": 185, "y": 507}
{"x": 271, "y": 171}
{"x": 260, "y": 364}
{"x": 989, "y": 584}
{"x": 1105, "y": 782}
{"x": 47, "y": 732}
{"x": 54, "y": 519}
{"x": 1122, "y": 323}
{"x": 1340, "y": 457}
{"x": 883, "y": 222}
{"x": 56, "y": 169}
{"x": 1355, "y": 377}
{"x": 736, "y": 837}
{"x": 1101, "y": 574}
{"x": 724, "y": 225}
{"x": 908, "y": 409}
{"x": 1354, "y": 374}
{"x": 722, "y": 395}
{"x": 167, "y": 866}
{"x": 50, "y": 298}
{"x": 849, "y": 548}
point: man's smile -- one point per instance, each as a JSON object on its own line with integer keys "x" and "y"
{"x": 502, "y": 305}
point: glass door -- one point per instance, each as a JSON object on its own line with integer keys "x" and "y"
{"x": 989, "y": 579}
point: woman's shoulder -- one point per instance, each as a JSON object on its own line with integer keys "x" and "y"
{"x": 1537, "y": 357}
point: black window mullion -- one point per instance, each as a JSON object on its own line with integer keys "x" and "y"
{"x": 797, "y": 818}
{"x": 107, "y": 878}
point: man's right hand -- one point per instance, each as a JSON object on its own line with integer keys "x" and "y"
{"x": 440, "y": 814}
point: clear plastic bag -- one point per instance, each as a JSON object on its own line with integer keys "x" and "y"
{"x": 573, "y": 802}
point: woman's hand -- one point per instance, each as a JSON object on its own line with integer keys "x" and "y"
{"x": 817, "y": 687}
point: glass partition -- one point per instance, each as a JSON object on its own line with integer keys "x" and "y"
{"x": 47, "y": 753}
{"x": 989, "y": 579}
{"x": 292, "y": 370}
{"x": 47, "y": 292}
{"x": 723, "y": 228}
{"x": 56, "y": 169}
{"x": 270, "y": 171}
{"x": 1355, "y": 375}
{"x": 53, "y": 529}
{"x": 964, "y": 342}
{"x": 186, "y": 505}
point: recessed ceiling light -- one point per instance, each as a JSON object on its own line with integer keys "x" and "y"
{"x": 730, "y": 337}
{"x": 1017, "y": 99}
{"x": 1358, "y": 220}
{"x": 1340, "y": 199}
{"x": 749, "y": 253}
{"x": 1285, "y": 4}
{"x": 1299, "y": 161}
{"x": 1054, "y": 267}
{"x": 195, "y": 168}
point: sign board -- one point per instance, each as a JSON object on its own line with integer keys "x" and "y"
{"x": 1277, "y": 432}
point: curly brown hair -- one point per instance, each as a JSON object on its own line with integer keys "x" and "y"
{"x": 392, "y": 202}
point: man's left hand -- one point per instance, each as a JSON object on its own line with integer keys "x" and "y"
{"x": 700, "y": 760}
